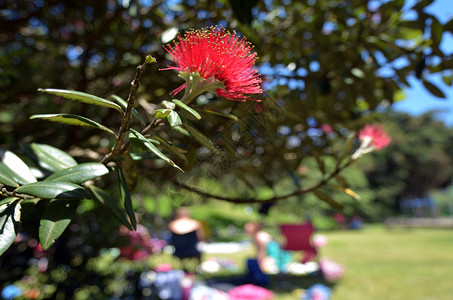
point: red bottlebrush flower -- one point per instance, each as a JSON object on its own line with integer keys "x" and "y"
{"x": 216, "y": 54}
{"x": 377, "y": 136}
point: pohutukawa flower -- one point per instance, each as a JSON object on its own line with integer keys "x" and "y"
{"x": 224, "y": 61}
{"x": 371, "y": 137}
{"x": 375, "y": 136}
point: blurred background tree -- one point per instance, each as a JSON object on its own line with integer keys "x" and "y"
{"x": 418, "y": 161}
{"x": 324, "y": 62}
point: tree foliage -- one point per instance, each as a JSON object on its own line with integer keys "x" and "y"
{"x": 326, "y": 66}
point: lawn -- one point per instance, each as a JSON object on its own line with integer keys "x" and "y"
{"x": 397, "y": 264}
{"x": 381, "y": 264}
{"x": 414, "y": 264}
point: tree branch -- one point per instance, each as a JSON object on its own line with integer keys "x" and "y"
{"x": 4, "y": 192}
{"x": 128, "y": 114}
{"x": 318, "y": 185}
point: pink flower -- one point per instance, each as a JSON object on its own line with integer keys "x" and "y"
{"x": 376, "y": 135}
{"x": 217, "y": 55}
{"x": 326, "y": 128}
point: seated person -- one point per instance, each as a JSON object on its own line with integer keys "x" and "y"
{"x": 261, "y": 240}
{"x": 270, "y": 257}
{"x": 186, "y": 233}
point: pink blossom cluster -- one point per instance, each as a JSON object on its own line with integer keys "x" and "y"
{"x": 376, "y": 134}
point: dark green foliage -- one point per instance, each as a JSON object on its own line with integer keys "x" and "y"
{"x": 9, "y": 220}
{"x": 55, "y": 219}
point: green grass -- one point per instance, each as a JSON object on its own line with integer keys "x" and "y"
{"x": 397, "y": 264}
{"x": 381, "y": 264}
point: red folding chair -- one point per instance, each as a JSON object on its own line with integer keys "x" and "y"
{"x": 298, "y": 238}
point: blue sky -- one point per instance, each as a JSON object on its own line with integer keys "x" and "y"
{"x": 418, "y": 99}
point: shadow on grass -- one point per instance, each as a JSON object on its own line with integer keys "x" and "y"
{"x": 288, "y": 282}
{"x": 279, "y": 283}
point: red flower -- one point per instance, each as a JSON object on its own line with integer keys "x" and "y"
{"x": 216, "y": 54}
{"x": 377, "y": 136}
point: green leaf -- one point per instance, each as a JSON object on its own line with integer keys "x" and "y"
{"x": 54, "y": 190}
{"x": 411, "y": 33}
{"x": 123, "y": 104}
{"x": 142, "y": 156}
{"x": 433, "y": 89}
{"x": 342, "y": 181}
{"x": 9, "y": 224}
{"x": 421, "y": 4}
{"x": 346, "y": 149}
{"x": 398, "y": 4}
{"x": 153, "y": 149}
{"x": 55, "y": 219}
{"x": 80, "y": 173}
{"x": 179, "y": 152}
{"x": 150, "y": 60}
{"x": 187, "y": 108}
{"x": 112, "y": 205}
{"x": 174, "y": 119}
{"x": 7, "y": 180}
{"x": 162, "y": 113}
{"x": 13, "y": 170}
{"x": 129, "y": 168}
{"x": 71, "y": 119}
{"x": 219, "y": 113}
{"x": 82, "y": 97}
{"x": 48, "y": 157}
{"x": 347, "y": 191}
{"x": 399, "y": 95}
{"x": 138, "y": 144}
{"x": 329, "y": 200}
{"x": 204, "y": 140}
{"x": 448, "y": 80}
{"x": 7, "y": 200}
{"x": 181, "y": 130}
{"x": 449, "y": 26}
{"x": 169, "y": 105}
{"x": 414, "y": 24}
{"x": 436, "y": 31}
{"x": 126, "y": 197}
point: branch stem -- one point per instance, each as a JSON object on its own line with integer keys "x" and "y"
{"x": 154, "y": 123}
{"x": 124, "y": 129}
{"x": 4, "y": 192}
{"x": 318, "y": 185}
